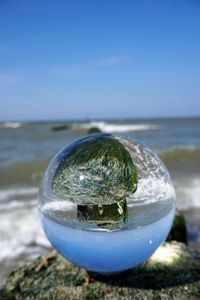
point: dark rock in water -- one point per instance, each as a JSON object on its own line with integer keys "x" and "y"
{"x": 109, "y": 216}
{"x": 173, "y": 272}
{"x": 93, "y": 130}
{"x": 178, "y": 231}
{"x": 98, "y": 170}
{"x": 60, "y": 127}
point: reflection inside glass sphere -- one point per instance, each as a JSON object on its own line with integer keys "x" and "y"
{"x": 106, "y": 203}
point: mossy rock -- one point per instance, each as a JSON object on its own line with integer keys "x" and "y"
{"x": 173, "y": 272}
{"x": 96, "y": 170}
{"x": 60, "y": 127}
{"x": 179, "y": 231}
{"x": 93, "y": 130}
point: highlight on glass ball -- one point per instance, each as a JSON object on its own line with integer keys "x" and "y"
{"x": 106, "y": 202}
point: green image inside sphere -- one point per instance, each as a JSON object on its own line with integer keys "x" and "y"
{"x": 110, "y": 216}
{"x": 98, "y": 170}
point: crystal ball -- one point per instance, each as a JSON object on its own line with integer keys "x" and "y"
{"x": 106, "y": 203}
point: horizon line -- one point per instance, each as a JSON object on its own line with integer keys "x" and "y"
{"x": 88, "y": 119}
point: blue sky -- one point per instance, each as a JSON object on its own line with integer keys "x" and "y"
{"x": 99, "y": 59}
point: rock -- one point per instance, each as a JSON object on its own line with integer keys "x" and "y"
{"x": 60, "y": 127}
{"x": 178, "y": 232}
{"x": 173, "y": 272}
{"x": 110, "y": 216}
{"x": 96, "y": 170}
{"x": 93, "y": 130}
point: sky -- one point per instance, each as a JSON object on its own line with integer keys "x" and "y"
{"x": 99, "y": 59}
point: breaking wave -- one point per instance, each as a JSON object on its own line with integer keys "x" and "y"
{"x": 111, "y": 127}
{"x": 183, "y": 160}
{"x": 13, "y": 125}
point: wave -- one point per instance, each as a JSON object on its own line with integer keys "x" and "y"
{"x": 19, "y": 181}
{"x": 25, "y": 173}
{"x": 181, "y": 147}
{"x": 16, "y": 204}
{"x": 179, "y": 160}
{"x": 188, "y": 191}
{"x": 183, "y": 163}
{"x": 111, "y": 127}
{"x": 185, "y": 160}
{"x": 13, "y": 125}
{"x": 17, "y": 197}
{"x": 7, "y": 194}
{"x": 19, "y": 241}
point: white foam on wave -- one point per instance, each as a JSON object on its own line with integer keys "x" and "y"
{"x": 8, "y": 194}
{"x": 13, "y": 125}
{"x": 19, "y": 231}
{"x": 21, "y": 234}
{"x": 17, "y": 204}
{"x": 59, "y": 205}
{"x": 111, "y": 127}
{"x": 188, "y": 193}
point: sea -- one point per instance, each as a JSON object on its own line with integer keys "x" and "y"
{"x": 27, "y": 147}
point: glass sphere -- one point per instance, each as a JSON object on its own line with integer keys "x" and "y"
{"x": 106, "y": 203}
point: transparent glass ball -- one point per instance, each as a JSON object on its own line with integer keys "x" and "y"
{"x": 106, "y": 203}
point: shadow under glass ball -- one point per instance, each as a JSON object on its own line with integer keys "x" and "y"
{"x": 106, "y": 203}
